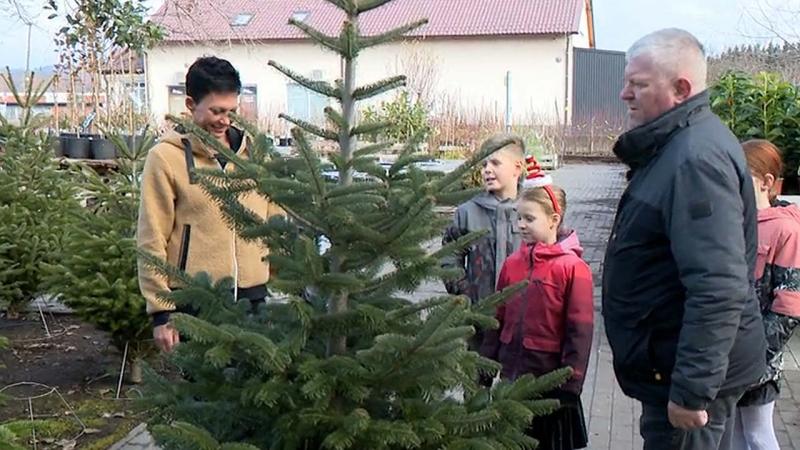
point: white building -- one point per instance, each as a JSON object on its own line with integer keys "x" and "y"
{"x": 458, "y": 60}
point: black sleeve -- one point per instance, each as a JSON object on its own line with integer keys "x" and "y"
{"x": 456, "y": 260}
{"x": 160, "y": 318}
{"x": 705, "y": 223}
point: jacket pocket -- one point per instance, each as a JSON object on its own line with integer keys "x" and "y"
{"x": 183, "y": 255}
{"x": 634, "y": 356}
{"x": 540, "y": 344}
{"x": 662, "y": 348}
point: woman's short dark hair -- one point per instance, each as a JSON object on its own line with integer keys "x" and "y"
{"x": 211, "y": 74}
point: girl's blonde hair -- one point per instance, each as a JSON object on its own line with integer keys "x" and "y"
{"x": 555, "y": 204}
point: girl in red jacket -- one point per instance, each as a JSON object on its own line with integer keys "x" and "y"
{"x": 550, "y": 324}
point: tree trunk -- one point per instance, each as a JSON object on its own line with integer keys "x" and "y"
{"x": 12, "y": 313}
{"x": 73, "y": 109}
{"x": 135, "y": 371}
{"x": 130, "y": 96}
{"x": 94, "y": 71}
{"x": 337, "y": 304}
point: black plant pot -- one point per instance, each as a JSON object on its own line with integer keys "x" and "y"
{"x": 103, "y": 148}
{"x": 76, "y": 147}
{"x": 57, "y": 146}
{"x": 132, "y": 141}
{"x": 62, "y": 140}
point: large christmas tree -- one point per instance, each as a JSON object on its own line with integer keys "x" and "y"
{"x": 345, "y": 362}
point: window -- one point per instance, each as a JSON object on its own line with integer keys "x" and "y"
{"x": 300, "y": 16}
{"x": 241, "y": 19}
{"x": 305, "y": 104}
{"x": 248, "y": 102}
{"x": 12, "y": 112}
{"x": 177, "y": 99}
{"x": 137, "y": 93}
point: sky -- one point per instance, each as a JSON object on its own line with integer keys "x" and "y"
{"x": 618, "y": 23}
{"x": 14, "y": 33}
{"x": 718, "y": 24}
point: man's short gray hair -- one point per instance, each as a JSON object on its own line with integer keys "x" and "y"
{"x": 673, "y": 50}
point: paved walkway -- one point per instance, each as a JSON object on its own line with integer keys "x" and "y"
{"x": 592, "y": 195}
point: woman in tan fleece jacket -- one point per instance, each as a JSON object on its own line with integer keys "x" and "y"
{"x": 178, "y": 221}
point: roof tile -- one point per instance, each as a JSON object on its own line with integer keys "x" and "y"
{"x": 210, "y": 20}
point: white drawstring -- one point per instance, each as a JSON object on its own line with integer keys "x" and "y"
{"x": 235, "y": 271}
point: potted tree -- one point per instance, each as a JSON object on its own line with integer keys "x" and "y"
{"x": 96, "y": 30}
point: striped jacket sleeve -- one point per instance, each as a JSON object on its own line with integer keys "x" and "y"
{"x": 783, "y": 316}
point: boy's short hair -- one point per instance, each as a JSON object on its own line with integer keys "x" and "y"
{"x": 211, "y": 74}
{"x": 516, "y": 147}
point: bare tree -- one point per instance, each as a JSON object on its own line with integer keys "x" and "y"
{"x": 774, "y": 20}
{"x": 20, "y": 9}
{"x": 421, "y": 67}
{"x": 773, "y": 42}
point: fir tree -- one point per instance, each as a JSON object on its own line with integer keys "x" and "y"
{"x": 36, "y": 198}
{"x": 345, "y": 362}
{"x": 96, "y": 271}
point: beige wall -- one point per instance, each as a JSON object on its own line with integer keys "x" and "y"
{"x": 471, "y": 72}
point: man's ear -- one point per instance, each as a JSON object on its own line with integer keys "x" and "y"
{"x": 683, "y": 89}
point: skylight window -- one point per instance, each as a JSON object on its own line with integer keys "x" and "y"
{"x": 300, "y": 16}
{"x": 241, "y": 19}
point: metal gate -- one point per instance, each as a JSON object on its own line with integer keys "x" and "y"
{"x": 597, "y": 82}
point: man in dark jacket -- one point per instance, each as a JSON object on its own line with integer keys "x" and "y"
{"x": 679, "y": 306}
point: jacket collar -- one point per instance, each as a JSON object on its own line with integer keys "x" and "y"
{"x": 568, "y": 243}
{"x": 638, "y": 146}
{"x": 237, "y": 138}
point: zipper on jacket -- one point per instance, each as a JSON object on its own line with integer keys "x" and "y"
{"x": 233, "y": 255}
{"x": 190, "y": 164}
{"x": 183, "y": 256}
{"x": 235, "y": 271}
{"x": 620, "y": 205}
